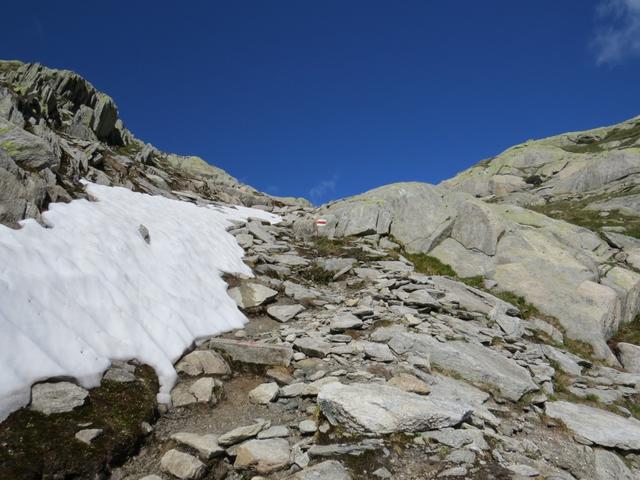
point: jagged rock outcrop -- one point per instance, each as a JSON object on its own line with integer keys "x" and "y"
{"x": 56, "y": 129}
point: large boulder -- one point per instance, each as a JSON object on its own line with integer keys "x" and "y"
{"x": 473, "y": 362}
{"x": 371, "y": 409}
{"x": 26, "y": 149}
{"x": 416, "y": 213}
{"x": 597, "y": 426}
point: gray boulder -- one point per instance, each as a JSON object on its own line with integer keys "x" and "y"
{"x": 597, "y": 426}
{"x": 264, "y": 456}
{"x": 629, "y": 356}
{"x": 327, "y": 470}
{"x": 182, "y": 465}
{"x": 58, "y": 397}
{"x": 251, "y": 294}
{"x": 207, "y": 362}
{"x": 284, "y": 313}
{"x": 381, "y": 409}
{"x": 473, "y": 362}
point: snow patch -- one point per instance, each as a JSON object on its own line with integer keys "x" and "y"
{"x": 90, "y": 290}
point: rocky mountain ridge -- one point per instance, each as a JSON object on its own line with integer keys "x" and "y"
{"x": 482, "y": 328}
{"x": 56, "y": 129}
{"x": 554, "y": 221}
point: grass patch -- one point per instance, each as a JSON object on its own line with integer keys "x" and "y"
{"x": 342, "y": 247}
{"x": 626, "y": 136}
{"x": 130, "y": 150}
{"x": 316, "y": 274}
{"x": 527, "y": 310}
{"x": 39, "y": 446}
{"x": 428, "y": 265}
{"x": 628, "y": 333}
{"x": 574, "y": 211}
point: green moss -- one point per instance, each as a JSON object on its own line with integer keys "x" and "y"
{"x": 527, "y": 310}
{"x": 9, "y": 147}
{"x": 7, "y": 66}
{"x": 429, "y": 265}
{"x": 574, "y": 211}
{"x": 130, "y": 150}
{"x": 628, "y": 333}
{"x": 316, "y": 274}
{"x": 40, "y": 446}
{"x": 343, "y": 247}
{"x": 626, "y": 136}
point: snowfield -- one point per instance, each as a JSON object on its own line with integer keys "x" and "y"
{"x": 90, "y": 290}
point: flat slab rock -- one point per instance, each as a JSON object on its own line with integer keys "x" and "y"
{"x": 382, "y": 409}
{"x": 263, "y": 455}
{"x": 206, "y": 445}
{"x": 327, "y": 470}
{"x": 205, "y": 362}
{"x": 284, "y": 313}
{"x": 182, "y": 465}
{"x": 57, "y": 397}
{"x": 252, "y": 352}
{"x": 473, "y": 362}
{"x": 597, "y": 426}
{"x": 250, "y": 294}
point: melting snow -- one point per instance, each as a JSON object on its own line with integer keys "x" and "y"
{"x": 90, "y": 289}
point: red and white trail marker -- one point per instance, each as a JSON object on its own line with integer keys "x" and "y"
{"x": 321, "y": 222}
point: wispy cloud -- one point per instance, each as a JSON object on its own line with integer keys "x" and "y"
{"x": 322, "y": 189}
{"x": 617, "y": 35}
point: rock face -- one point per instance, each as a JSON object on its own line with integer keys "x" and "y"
{"x": 473, "y": 362}
{"x": 506, "y": 219}
{"x": 597, "y": 426}
{"x": 382, "y": 409}
{"x": 56, "y": 128}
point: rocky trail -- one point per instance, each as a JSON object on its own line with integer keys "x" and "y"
{"x": 355, "y": 365}
{"x": 484, "y": 328}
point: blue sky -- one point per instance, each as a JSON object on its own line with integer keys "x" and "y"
{"x": 325, "y": 99}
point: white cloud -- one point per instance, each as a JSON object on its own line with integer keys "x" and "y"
{"x": 618, "y": 33}
{"x": 323, "y": 188}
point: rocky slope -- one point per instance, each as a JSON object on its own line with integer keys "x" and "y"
{"x": 465, "y": 330}
{"x": 56, "y": 128}
{"x": 554, "y": 221}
